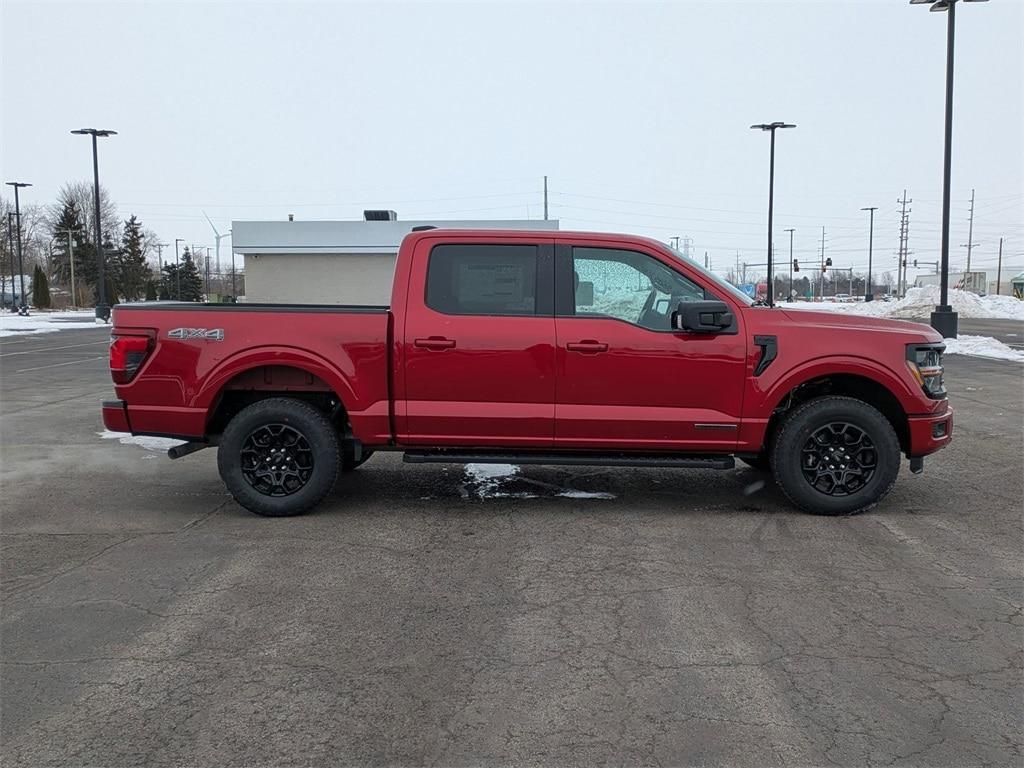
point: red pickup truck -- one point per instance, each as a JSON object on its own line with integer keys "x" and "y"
{"x": 534, "y": 347}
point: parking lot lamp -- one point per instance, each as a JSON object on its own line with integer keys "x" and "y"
{"x": 944, "y": 319}
{"x": 771, "y": 127}
{"x": 102, "y": 308}
{"x": 868, "y": 293}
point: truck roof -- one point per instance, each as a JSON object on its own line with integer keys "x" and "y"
{"x": 530, "y": 234}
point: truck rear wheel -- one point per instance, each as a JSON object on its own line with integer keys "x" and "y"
{"x": 279, "y": 457}
{"x": 835, "y": 456}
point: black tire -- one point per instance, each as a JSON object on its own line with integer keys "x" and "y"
{"x": 286, "y": 430}
{"x": 854, "y": 435}
{"x": 759, "y": 462}
{"x": 348, "y": 463}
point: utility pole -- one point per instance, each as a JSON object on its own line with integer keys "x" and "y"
{"x": 999, "y": 270}
{"x": 706, "y": 262}
{"x": 23, "y": 309}
{"x": 791, "y": 231}
{"x": 207, "y": 273}
{"x": 686, "y": 246}
{"x": 71, "y": 262}
{"x": 177, "y": 267}
{"x": 901, "y": 267}
{"x": 10, "y": 250}
{"x": 160, "y": 255}
{"x": 970, "y": 234}
{"x": 821, "y": 280}
{"x": 545, "y": 198}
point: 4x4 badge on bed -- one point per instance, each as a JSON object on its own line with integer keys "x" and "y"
{"x": 212, "y": 334}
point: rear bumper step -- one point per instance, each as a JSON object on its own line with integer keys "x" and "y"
{"x": 679, "y": 461}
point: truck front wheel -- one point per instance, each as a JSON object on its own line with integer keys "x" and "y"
{"x": 279, "y": 457}
{"x": 835, "y": 456}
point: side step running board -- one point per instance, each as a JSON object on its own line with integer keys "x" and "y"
{"x": 679, "y": 461}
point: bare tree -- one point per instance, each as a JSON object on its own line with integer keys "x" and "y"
{"x": 81, "y": 194}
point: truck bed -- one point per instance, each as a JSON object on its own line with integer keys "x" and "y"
{"x": 202, "y": 353}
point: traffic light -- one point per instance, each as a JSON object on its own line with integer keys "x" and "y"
{"x": 828, "y": 262}
{"x": 796, "y": 265}
{"x": 915, "y": 262}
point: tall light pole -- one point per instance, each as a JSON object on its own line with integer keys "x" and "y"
{"x": 771, "y": 127}
{"x": 868, "y": 293}
{"x": 22, "y": 308}
{"x": 944, "y": 319}
{"x": 790, "y": 297}
{"x": 102, "y": 308}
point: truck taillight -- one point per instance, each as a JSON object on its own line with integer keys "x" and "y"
{"x": 127, "y": 354}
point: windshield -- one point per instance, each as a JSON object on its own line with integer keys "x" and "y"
{"x": 732, "y": 289}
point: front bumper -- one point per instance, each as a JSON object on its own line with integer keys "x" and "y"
{"x": 929, "y": 434}
{"x": 115, "y": 416}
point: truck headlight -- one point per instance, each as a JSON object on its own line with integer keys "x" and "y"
{"x": 925, "y": 364}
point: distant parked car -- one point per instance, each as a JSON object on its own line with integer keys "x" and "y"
{"x": 843, "y": 298}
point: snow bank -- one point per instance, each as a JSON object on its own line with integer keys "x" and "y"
{"x": 46, "y": 322}
{"x": 982, "y": 346}
{"x": 920, "y": 302}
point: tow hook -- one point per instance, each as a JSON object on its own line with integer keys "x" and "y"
{"x": 177, "y": 451}
{"x": 917, "y": 464}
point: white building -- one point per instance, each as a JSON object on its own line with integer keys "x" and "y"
{"x": 333, "y": 262}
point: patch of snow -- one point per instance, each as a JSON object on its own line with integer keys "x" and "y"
{"x": 143, "y": 441}
{"x": 45, "y": 322}
{"x": 982, "y": 346}
{"x": 585, "y": 495}
{"x": 487, "y": 478}
{"x": 919, "y": 303}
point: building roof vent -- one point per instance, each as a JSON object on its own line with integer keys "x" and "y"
{"x": 380, "y": 216}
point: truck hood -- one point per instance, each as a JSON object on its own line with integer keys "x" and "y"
{"x": 805, "y": 318}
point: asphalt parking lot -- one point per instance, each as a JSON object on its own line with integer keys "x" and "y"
{"x": 424, "y": 617}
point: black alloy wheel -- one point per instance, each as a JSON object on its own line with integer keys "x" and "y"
{"x": 839, "y": 459}
{"x": 277, "y": 460}
{"x": 279, "y": 456}
{"x": 835, "y": 455}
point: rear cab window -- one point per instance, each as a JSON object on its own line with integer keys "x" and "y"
{"x": 484, "y": 279}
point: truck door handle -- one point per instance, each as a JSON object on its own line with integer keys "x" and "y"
{"x": 435, "y": 342}
{"x": 587, "y": 346}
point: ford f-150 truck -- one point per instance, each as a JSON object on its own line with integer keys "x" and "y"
{"x": 534, "y": 347}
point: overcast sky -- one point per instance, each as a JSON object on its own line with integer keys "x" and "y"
{"x": 638, "y": 113}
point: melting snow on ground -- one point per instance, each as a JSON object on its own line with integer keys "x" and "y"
{"x": 45, "y": 322}
{"x": 143, "y": 441}
{"x": 982, "y": 346}
{"x": 488, "y": 481}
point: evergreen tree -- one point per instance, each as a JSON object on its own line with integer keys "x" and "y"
{"x": 191, "y": 283}
{"x": 69, "y": 218}
{"x": 151, "y": 290}
{"x": 169, "y": 282}
{"x": 40, "y": 289}
{"x": 132, "y": 270}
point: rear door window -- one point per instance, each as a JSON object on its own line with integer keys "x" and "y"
{"x": 469, "y": 279}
